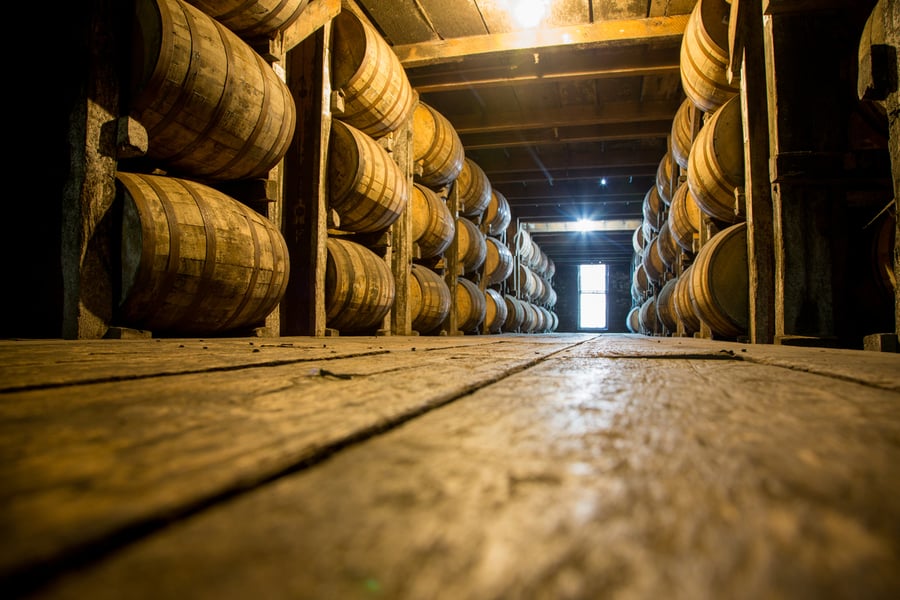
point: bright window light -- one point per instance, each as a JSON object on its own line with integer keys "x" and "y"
{"x": 592, "y": 287}
{"x": 584, "y": 225}
{"x": 529, "y": 13}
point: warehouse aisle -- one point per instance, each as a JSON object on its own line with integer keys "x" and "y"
{"x": 511, "y": 466}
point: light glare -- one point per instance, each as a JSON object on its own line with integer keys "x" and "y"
{"x": 529, "y": 13}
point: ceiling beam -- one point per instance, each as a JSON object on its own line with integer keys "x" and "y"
{"x": 600, "y": 33}
{"x": 637, "y": 62}
{"x": 642, "y": 173}
{"x": 566, "y": 116}
{"x": 568, "y": 135}
{"x": 520, "y": 159}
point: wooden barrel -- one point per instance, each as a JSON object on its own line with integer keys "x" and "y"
{"x": 359, "y": 287}
{"x": 531, "y": 321}
{"x": 551, "y": 268}
{"x": 716, "y": 164}
{"x": 665, "y": 306}
{"x": 432, "y": 223}
{"x": 368, "y": 189}
{"x": 470, "y": 305}
{"x": 540, "y": 267}
{"x": 633, "y": 320}
{"x": 253, "y": 18}
{"x": 523, "y": 246}
{"x": 653, "y": 263}
{"x": 195, "y": 261}
{"x": 639, "y": 280}
{"x": 437, "y": 149}
{"x": 495, "y": 310}
{"x": 213, "y": 108}
{"x": 684, "y": 218}
{"x": 528, "y": 283}
{"x": 719, "y": 285}
{"x": 704, "y": 55}
{"x": 648, "y": 317}
{"x": 550, "y": 296}
{"x": 515, "y": 314}
{"x": 538, "y": 318}
{"x": 474, "y": 189}
{"x": 548, "y": 319}
{"x": 652, "y": 211}
{"x": 554, "y": 322}
{"x": 637, "y": 239}
{"x": 666, "y": 247}
{"x": 682, "y": 133}
{"x": 471, "y": 245}
{"x": 498, "y": 262}
{"x": 497, "y": 215}
{"x": 664, "y": 178}
{"x": 429, "y": 299}
{"x": 365, "y": 71}
{"x": 682, "y": 302}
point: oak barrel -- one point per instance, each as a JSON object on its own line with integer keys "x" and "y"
{"x": 648, "y": 317}
{"x": 637, "y": 239}
{"x": 652, "y": 211}
{"x": 524, "y": 247}
{"x": 640, "y": 282}
{"x": 532, "y": 319}
{"x": 716, "y": 164}
{"x": 704, "y": 55}
{"x": 633, "y": 320}
{"x": 682, "y": 302}
{"x": 667, "y": 247}
{"x": 471, "y": 245}
{"x": 212, "y": 107}
{"x": 437, "y": 148}
{"x": 432, "y": 223}
{"x": 665, "y": 306}
{"x": 195, "y": 260}
{"x": 528, "y": 283}
{"x": 495, "y": 310}
{"x": 719, "y": 284}
{"x": 498, "y": 262}
{"x": 368, "y": 189}
{"x": 429, "y": 299}
{"x": 253, "y": 18}
{"x": 664, "y": 173}
{"x": 497, "y": 215}
{"x": 470, "y": 305}
{"x": 682, "y": 133}
{"x": 474, "y": 189}
{"x": 359, "y": 286}
{"x": 652, "y": 261}
{"x": 554, "y": 322}
{"x": 684, "y": 218}
{"x": 515, "y": 313}
{"x": 365, "y": 71}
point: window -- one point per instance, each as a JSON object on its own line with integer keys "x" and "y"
{"x": 592, "y": 297}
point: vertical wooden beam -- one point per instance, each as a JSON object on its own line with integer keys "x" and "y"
{"x": 451, "y": 263}
{"x": 807, "y": 129}
{"x": 749, "y": 57}
{"x": 401, "y": 235}
{"x": 88, "y": 254}
{"x": 306, "y": 185}
{"x": 891, "y": 23}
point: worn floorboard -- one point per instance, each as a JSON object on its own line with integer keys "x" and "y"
{"x": 507, "y": 467}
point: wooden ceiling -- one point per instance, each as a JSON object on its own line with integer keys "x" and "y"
{"x": 568, "y": 120}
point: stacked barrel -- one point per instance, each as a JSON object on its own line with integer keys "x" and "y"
{"x": 533, "y": 285}
{"x": 690, "y": 273}
{"x": 195, "y": 260}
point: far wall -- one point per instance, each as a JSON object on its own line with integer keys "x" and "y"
{"x": 565, "y": 284}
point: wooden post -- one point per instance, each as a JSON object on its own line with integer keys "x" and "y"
{"x": 306, "y": 185}
{"x": 806, "y": 53}
{"x": 88, "y": 254}
{"x": 451, "y": 263}
{"x": 748, "y": 57}
{"x": 401, "y": 235}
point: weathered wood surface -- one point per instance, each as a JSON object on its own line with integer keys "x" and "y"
{"x": 553, "y": 466}
{"x": 88, "y": 463}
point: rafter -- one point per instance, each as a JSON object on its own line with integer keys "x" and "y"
{"x": 600, "y": 33}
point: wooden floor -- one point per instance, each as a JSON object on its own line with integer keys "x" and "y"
{"x": 477, "y": 467}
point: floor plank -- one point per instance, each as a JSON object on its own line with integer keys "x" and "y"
{"x": 87, "y": 464}
{"x": 582, "y": 476}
